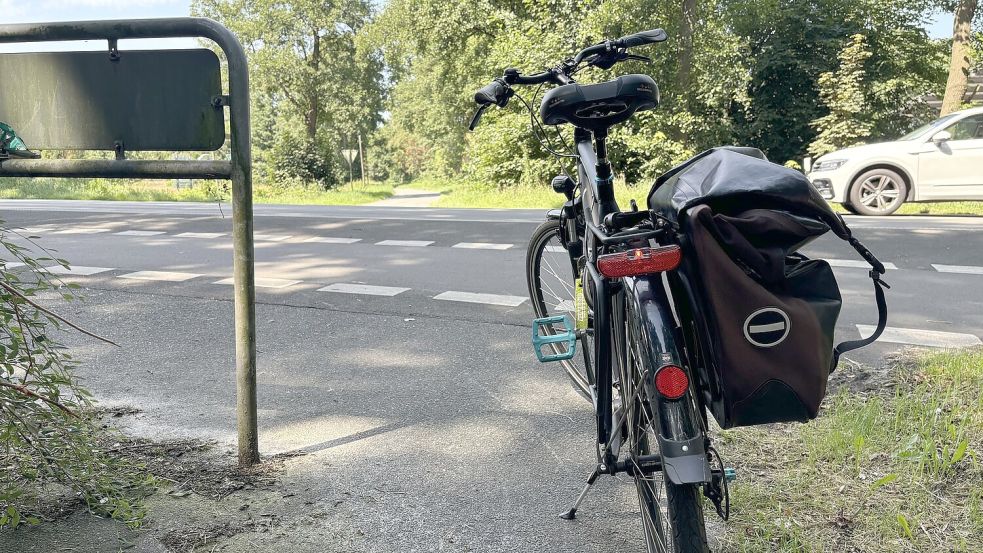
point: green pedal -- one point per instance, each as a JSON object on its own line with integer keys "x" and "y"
{"x": 567, "y": 336}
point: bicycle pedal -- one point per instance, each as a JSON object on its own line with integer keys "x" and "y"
{"x": 730, "y": 474}
{"x": 567, "y": 336}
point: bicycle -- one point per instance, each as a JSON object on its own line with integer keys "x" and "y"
{"x": 635, "y": 366}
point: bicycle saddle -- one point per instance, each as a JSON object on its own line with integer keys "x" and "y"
{"x": 602, "y": 105}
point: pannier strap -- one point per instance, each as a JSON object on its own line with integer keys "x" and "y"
{"x": 877, "y": 269}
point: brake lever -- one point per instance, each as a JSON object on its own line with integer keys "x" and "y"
{"x": 477, "y": 117}
{"x": 636, "y": 57}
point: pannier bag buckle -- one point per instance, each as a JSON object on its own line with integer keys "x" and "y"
{"x": 553, "y": 335}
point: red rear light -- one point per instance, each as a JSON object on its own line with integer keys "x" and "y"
{"x": 639, "y": 261}
{"x": 671, "y": 382}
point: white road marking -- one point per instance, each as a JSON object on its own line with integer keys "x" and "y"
{"x": 858, "y": 263}
{"x": 11, "y": 264}
{"x": 332, "y": 240}
{"x": 482, "y": 246}
{"x": 167, "y": 276}
{"x": 77, "y": 270}
{"x": 961, "y": 269}
{"x": 272, "y": 237}
{"x": 490, "y": 299}
{"x": 139, "y": 233}
{"x": 555, "y": 249}
{"x": 200, "y": 234}
{"x": 34, "y": 230}
{"x": 83, "y": 230}
{"x": 408, "y": 243}
{"x": 263, "y": 282}
{"x": 364, "y": 289}
{"x": 917, "y": 337}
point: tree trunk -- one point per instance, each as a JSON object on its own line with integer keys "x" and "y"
{"x": 312, "y": 110}
{"x": 686, "y": 29}
{"x": 955, "y": 87}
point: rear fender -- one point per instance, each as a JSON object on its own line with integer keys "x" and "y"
{"x": 682, "y": 443}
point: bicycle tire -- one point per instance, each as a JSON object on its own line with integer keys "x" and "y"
{"x": 580, "y": 368}
{"x": 676, "y": 522}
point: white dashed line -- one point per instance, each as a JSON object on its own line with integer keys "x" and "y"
{"x": 34, "y": 230}
{"x": 858, "y": 264}
{"x": 271, "y": 237}
{"x": 928, "y": 338}
{"x": 160, "y": 275}
{"x": 200, "y": 234}
{"x": 83, "y": 230}
{"x": 11, "y": 264}
{"x": 408, "y": 243}
{"x": 961, "y": 269}
{"x": 139, "y": 233}
{"x": 491, "y": 299}
{"x": 262, "y": 282}
{"x": 331, "y": 240}
{"x": 77, "y": 270}
{"x": 555, "y": 249}
{"x": 482, "y": 246}
{"x": 364, "y": 289}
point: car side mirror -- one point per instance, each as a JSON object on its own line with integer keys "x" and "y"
{"x": 941, "y": 136}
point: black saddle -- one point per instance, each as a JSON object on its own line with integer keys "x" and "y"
{"x": 602, "y": 105}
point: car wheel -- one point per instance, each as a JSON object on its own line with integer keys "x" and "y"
{"x": 878, "y": 192}
{"x": 850, "y": 208}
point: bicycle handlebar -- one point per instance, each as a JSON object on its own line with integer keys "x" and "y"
{"x": 606, "y": 53}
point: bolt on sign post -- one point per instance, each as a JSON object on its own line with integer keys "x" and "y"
{"x": 350, "y": 156}
{"x": 148, "y": 100}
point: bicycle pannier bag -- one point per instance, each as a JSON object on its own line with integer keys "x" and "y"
{"x": 763, "y": 314}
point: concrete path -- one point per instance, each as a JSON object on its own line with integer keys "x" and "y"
{"x": 403, "y": 197}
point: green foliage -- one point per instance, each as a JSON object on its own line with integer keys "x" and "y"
{"x": 45, "y": 435}
{"x": 843, "y": 94}
{"x": 316, "y": 90}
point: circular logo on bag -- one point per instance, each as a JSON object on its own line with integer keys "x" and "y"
{"x": 767, "y": 327}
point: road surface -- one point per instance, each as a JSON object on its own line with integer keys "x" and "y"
{"x": 394, "y": 349}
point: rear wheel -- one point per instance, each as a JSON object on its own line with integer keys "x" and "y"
{"x": 672, "y": 515}
{"x": 850, "y": 208}
{"x": 552, "y": 291}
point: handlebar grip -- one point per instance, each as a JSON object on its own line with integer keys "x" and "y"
{"x": 495, "y": 92}
{"x": 642, "y": 38}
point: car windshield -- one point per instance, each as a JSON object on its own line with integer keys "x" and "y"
{"x": 934, "y": 124}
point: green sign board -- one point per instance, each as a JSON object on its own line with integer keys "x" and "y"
{"x": 137, "y": 100}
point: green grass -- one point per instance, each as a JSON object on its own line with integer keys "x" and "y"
{"x": 459, "y": 193}
{"x": 932, "y": 208}
{"x": 164, "y": 190}
{"x": 887, "y": 473}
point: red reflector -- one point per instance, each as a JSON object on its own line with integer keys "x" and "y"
{"x": 639, "y": 261}
{"x": 671, "y": 382}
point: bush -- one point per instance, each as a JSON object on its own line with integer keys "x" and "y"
{"x": 47, "y": 435}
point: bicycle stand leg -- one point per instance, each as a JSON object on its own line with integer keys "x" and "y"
{"x": 572, "y": 513}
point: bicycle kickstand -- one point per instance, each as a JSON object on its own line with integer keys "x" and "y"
{"x": 572, "y": 513}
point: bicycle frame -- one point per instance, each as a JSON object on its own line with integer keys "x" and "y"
{"x": 681, "y": 438}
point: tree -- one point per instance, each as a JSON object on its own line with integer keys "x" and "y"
{"x": 959, "y": 64}
{"x": 305, "y": 62}
{"x": 844, "y": 96}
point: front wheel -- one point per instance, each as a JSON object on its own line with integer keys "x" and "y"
{"x": 878, "y": 192}
{"x": 552, "y": 291}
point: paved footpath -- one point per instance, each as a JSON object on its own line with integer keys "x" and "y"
{"x": 393, "y": 347}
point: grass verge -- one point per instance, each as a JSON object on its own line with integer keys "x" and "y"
{"x": 457, "y": 193}
{"x": 891, "y": 472}
{"x": 203, "y": 191}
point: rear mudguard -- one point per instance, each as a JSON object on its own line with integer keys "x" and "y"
{"x": 682, "y": 443}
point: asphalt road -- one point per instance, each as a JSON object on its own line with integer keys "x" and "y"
{"x": 435, "y": 403}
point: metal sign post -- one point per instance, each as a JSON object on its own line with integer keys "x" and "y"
{"x": 106, "y": 116}
{"x": 350, "y": 156}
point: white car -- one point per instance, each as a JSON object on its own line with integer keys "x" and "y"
{"x": 942, "y": 160}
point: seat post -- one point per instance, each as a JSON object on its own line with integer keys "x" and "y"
{"x": 605, "y": 178}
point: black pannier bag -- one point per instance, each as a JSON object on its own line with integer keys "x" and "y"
{"x": 763, "y": 313}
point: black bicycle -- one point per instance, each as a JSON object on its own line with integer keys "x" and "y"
{"x": 597, "y": 278}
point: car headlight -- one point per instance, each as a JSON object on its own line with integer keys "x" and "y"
{"x": 828, "y": 164}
